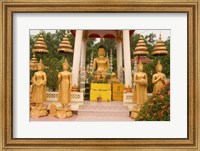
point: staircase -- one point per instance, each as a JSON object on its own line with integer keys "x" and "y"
{"x": 103, "y": 111}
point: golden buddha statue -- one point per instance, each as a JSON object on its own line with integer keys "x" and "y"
{"x": 64, "y": 92}
{"x": 101, "y": 64}
{"x": 38, "y": 92}
{"x": 65, "y": 84}
{"x": 140, "y": 89}
{"x": 39, "y": 80}
{"x": 158, "y": 78}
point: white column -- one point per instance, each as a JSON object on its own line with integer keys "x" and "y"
{"x": 83, "y": 52}
{"x": 119, "y": 60}
{"x": 76, "y": 57}
{"x": 127, "y": 58}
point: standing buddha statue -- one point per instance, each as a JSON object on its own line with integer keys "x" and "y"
{"x": 38, "y": 92}
{"x": 140, "y": 81}
{"x": 64, "y": 92}
{"x": 101, "y": 64}
{"x": 39, "y": 81}
{"x": 158, "y": 78}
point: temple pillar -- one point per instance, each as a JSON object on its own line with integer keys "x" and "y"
{"x": 119, "y": 60}
{"x": 76, "y": 59}
{"x": 83, "y": 52}
{"x": 127, "y": 61}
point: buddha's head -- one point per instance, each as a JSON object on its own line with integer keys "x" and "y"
{"x": 140, "y": 66}
{"x": 158, "y": 67}
{"x": 65, "y": 65}
{"x": 101, "y": 51}
{"x": 40, "y": 65}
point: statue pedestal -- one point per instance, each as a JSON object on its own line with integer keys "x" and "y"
{"x": 77, "y": 99}
{"x": 100, "y": 92}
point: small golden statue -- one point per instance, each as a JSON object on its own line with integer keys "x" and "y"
{"x": 140, "y": 90}
{"x": 64, "y": 93}
{"x": 101, "y": 64}
{"x": 114, "y": 78}
{"x": 38, "y": 92}
{"x": 158, "y": 78}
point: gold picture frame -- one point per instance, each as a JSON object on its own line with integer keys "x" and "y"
{"x": 191, "y": 7}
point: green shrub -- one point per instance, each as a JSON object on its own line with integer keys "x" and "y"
{"x": 157, "y": 108}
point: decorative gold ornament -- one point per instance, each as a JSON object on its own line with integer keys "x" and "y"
{"x": 160, "y": 48}
{"x": 40, "y": 45}
{"x": 38, "y": 111}
{"x": 65, "y": 45}
{"x": 63, "y": 112}
{"x": 141, "y": 48}
{"x": 33, "y": 63}
{"x": 135, "y": 111}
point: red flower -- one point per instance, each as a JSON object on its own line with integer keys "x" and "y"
{"x": 162, "y": 97}
{"x": 164, "y": 106}
{"x": 149, "y": 111}
{"x": 169, "y": 92}
{"x": 154, "y": 99}
{"x": 151, "y": 104}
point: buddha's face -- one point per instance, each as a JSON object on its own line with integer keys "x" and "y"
{"x": 65, "y": 67}
{"x": 140, "y": 68}
{"x": 159, "y": 68}
{"x": 39, "y": 67}
{"x": 101, "y": 52}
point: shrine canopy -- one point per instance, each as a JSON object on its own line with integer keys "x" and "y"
{"x": 102, "y": 33}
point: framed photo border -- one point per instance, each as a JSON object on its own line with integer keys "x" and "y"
{"x": 9, "y": 7}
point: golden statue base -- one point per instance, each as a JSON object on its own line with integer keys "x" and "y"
{"x": 63, "y": 112}
{"x": 135, "y": 112}
{"x": 38, "y": 111}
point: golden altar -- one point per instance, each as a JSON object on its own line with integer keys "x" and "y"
{"x": 100, "y": 90}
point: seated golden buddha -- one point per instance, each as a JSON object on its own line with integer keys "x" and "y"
{"x": 101, "y": 65}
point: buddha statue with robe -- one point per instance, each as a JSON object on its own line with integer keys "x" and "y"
{"x": 158, "y": 79}
{"x": 101, "y": 65}
{"x": 140, "y": 89}
{"x": 38, "y": 92}
{"x": 39, "y": 81}
{"x": 64, "y": 92}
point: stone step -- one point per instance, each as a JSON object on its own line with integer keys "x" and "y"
{"x": 103, "y": 118}
{"x": 103, "y": 108}
{"x": 114, "y": 113}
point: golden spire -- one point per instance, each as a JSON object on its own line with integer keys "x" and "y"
{"x": 33, "y": 62}
{"x": 65, "y": 62}
{"x": 160, "y": 48}
{"x": 141, "y": 48}
{"x": 40, "y": 63}
{"x": 140, "y": 63}
{"x": 65, "y": 45}
{"x": 40, "y": 46}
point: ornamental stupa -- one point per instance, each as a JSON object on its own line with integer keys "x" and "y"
{"x": 141, "y": 48}
{"x": 65, "y": 45}
{"x": 33, "y": 62}
{"x": 160, "y": 48}
{"x": 40, "y": 46}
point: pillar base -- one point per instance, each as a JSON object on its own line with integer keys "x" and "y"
{"x": 128, "y": 89}
{"x": 75, "y": 88}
